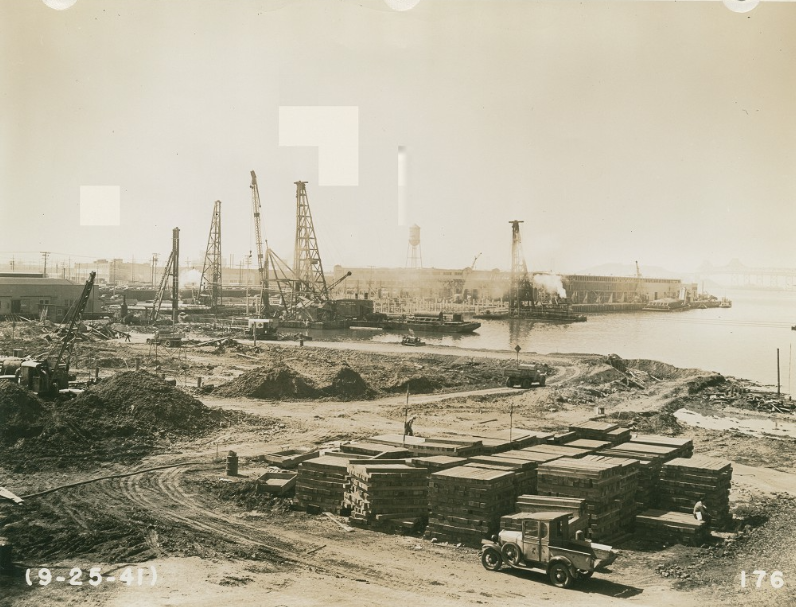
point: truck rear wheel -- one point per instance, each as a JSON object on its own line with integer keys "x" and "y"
{"x": 560, "y": 576}
{"x": 541, "y": 381}
{"x": 526, "y": 383}
{"x": 491, "y": 559}
{"x": 509, "y": 383}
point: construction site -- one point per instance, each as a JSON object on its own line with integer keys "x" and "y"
{"x": 192, "y": 449}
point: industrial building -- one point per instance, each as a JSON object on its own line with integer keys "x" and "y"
{"x": 31, "y": 295}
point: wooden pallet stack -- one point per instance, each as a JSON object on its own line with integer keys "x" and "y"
{"x": 663, "y": 526}
{"x": 604, "y": 431}
{"x": 506, "y": 440}
{"x": 628, "y": 485}
{"x": 607, "y": 485}
{"x": 650, "y": 458}
{"x": 684, "y": 447}
{"x": 383, "y": 493}
{"x": 320, "y": 483}
{"x": 683, "y": 481}
{"x": 467, "y": 502}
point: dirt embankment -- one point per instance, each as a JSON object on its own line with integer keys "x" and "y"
{"x": 121, "y": 419}
{"x": 312, "y": 373}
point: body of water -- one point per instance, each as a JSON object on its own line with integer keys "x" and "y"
{"x": 741, "y": 341}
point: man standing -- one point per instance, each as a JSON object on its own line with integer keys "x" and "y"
{"x": 701, "y": 511}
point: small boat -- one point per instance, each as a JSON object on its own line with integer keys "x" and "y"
{"x": 411, "y": 340}
{"x": 725, "y": 303}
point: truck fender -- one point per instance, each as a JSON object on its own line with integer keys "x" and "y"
{"x": 566, "y": 562}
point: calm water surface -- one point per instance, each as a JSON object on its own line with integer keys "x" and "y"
{"x": 741, "y": 341}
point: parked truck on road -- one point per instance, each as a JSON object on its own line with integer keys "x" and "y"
{"x": 544, "y": 542}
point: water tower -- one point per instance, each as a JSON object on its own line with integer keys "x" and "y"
{"x": 414, "y": 258}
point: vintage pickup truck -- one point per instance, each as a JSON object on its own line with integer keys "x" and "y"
{"x": 544, "y": 543}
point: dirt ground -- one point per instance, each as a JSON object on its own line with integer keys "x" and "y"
{"x": 214, "y": 542}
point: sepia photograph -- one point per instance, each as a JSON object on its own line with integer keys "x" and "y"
{"x": 453, "y": 303}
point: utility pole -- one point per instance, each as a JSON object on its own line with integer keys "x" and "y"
{"x": 175, "y": 285}
{"x": 46, "y": 254}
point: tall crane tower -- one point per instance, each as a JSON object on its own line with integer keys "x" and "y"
{"x": 520, "y": 289}
{"x": 210, "y": 282}
{"x": 172, "y": 269}
{"x": 263, "y": 306}
{"x": 307, "y": 266}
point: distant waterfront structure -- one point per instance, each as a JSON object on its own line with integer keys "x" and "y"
{"x": 414, "y": 256}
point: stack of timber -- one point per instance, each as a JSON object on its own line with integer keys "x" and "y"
{"x": 320, "y": 484}
{"x": 534, "y": 458}
{"x": 559, "y": 450}
{"x": 435, "y": 463}
{"x": 684, "y": 446}
{"x": 467, "y": 502}
{"x": 384, "y": 494}
{"x": 420, "y": 446}
{"x": 604, "y": 431}
{"x": 524, "y": 470}
{"x": 664, "y": 526}
{"x": 506, "y": 440}
{"x": 562, "y": 438}
{"x": 650, "y": 458}
{"x": 378, "y": 450}
{"x": 607, "y": 484}
{"x": 683, "y": 481}
{"x": 589, "y": 444}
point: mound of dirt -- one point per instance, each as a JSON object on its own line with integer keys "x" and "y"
{"x": 121, "y": 419}
{"x": 418, "y": 384}
{"x": 146, "y": 401}
{"x": 20, "y": 413}
{"x": 277, "y": 382}
{"x": 348, "y": 384}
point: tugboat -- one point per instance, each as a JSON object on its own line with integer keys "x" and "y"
{"x": 412, "y": 340}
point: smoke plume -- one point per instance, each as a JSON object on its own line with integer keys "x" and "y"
{"x": 550, "y": 283}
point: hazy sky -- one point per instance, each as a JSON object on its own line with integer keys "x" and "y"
{"x": 663, "y": 132}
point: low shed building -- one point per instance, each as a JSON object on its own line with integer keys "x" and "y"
{"x": 33, "y": 296}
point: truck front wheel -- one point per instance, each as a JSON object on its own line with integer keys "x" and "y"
{"x": 560, "y": 575}
{"x": 491, "y": 559}
{"x": 509, "y": 383}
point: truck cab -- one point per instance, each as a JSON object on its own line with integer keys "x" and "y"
{"x": 543, "y": 542}
{"x": 262, "y": 328}
{"x": 39, "y": 377}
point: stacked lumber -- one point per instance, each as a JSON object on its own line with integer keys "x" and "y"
{"x": 604, "y": 431}
{"x": 683, "y": 481}
{"x": 524, "y": 470}
{"x": 562, "y": 438}
{"x": 589, "y": 444}
{"x": 534, "y": 458}
{"x": 420, "y": 446}
{"x": 650, "y": 458}
{"x": 668, "y": 527}
{"x": 320, "y": 483}
{"x": 435, "y": 463}
{"x": 381, "y": 492}
{"x": 559, "y": 450}
{"x": 544, "y": 503}
{"x": 467, "y": 502}
{"x": 618, "y": 435}
{"x": 608, "y": 485}
{"x": 684, "y": 446}
{"x": 505, "y": 440}
{"x": 378, "y": 450}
